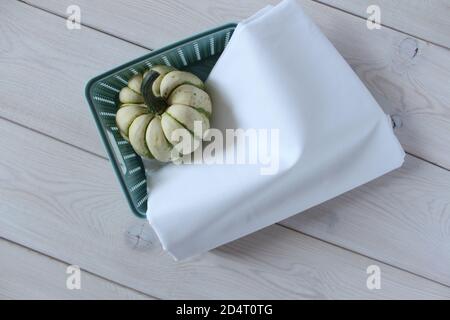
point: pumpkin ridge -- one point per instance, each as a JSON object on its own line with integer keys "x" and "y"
{"x": 190, "y": 95}
{"x": 141, "y": 103}
{"x": 181, "y": 124}
{"x": 126, "y": 133}
{"x": 164, "y": 135}
{"x": 171, "y": 82}
{"x": 134, "y": 91}
{"x": 201, "y": 110}
{"x": 145, "y": 141}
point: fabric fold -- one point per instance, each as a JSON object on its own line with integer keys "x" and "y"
{"x": 281, "y": 74}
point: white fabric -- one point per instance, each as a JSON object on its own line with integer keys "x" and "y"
{"x": 278, "y": 71}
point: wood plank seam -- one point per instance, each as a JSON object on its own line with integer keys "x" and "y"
{"x": 410, "y": 17}
{"x": 428, "y": 161}
{"x": 83, "y": 270}
{"x": 106, "y": 158}
{"x": 53, "y": 137}
{"x": 279, "y": 224}
{"x": 27, "y": 274}
{"x": 415, "y": 156}
{"x": 314, "y": 1}
{"x": 382, "y": 24}
{"x": 83, "y": 24}
{"x": 274, "y": 241}
{"x": 100, "y": 156}
{"x": 365, "y": 255}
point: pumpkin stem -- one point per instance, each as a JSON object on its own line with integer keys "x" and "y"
{"x": 156, "y": 105}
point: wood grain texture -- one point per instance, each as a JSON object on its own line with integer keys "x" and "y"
{"x": 408, "y": 77}
{"x": 48, "y": 67}
{"x": 26, "y": 274}
{"x": 65, "y": 203}
{"x": 351, "y": 220}
{"x": 428, "y": 20}
{"x": 402, "y": 218}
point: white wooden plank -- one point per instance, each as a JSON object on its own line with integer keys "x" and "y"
{"x": 46, "y": 67}
{"x": 26, "y": 274}
{"x": 431, "y": 241}
{"x": 428, "y": 20}
{"x": 402, "y": 218}
{"x": 412, "y": 85}
{"x": 65, "y": 203}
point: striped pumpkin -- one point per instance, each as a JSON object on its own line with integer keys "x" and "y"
{"x": 164, "y": 113}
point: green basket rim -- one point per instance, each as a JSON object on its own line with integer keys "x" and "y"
{"x": 92, "y": 81}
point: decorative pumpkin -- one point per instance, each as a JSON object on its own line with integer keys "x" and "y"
{"x": 156, "y": 104}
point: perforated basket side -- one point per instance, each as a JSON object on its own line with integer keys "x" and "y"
{"x": 197, "y": 54}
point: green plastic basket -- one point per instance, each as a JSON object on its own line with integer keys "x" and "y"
{"x": 196, "y": 54}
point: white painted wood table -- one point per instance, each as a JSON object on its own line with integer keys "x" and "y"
{"x": 61, "y": 205}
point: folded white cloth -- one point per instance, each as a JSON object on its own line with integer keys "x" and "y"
{"x": 277, "y": 72}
